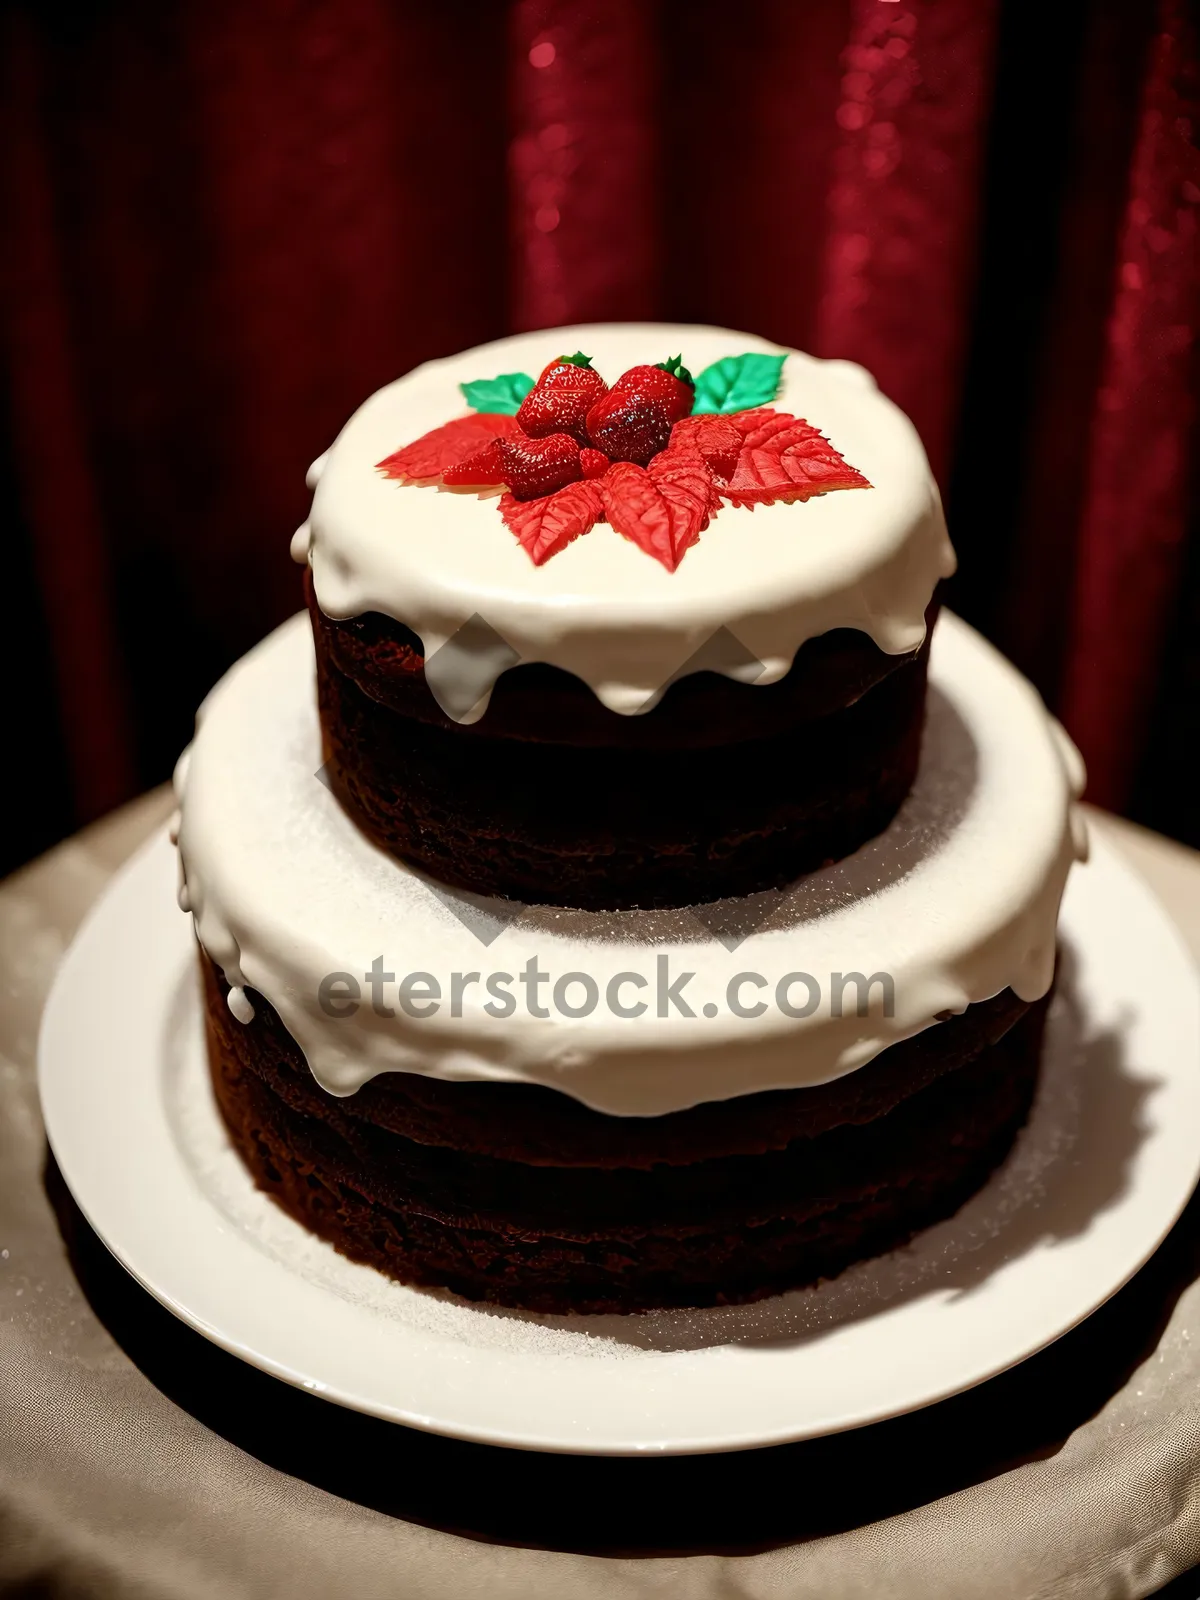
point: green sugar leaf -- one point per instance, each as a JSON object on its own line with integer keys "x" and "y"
{"x": 738, "y": 383}
{"x": 503, "y": 394}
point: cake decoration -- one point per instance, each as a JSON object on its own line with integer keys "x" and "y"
{"x": 503, "y": 394}
{"x": 547, "y": 525}
{"x": 739, "y": 383}
{"x": 633, "y": 421}
{"x": 664, "y": 508}
{"x": 662, "y": 449}
{"x": 625, "y": 626}
{"x": 535, "y": 467}
{"x": 427, "y": 458}
{"x": 559, "y": 402}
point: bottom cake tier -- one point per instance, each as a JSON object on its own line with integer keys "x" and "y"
{"x": 518, "y": 1195}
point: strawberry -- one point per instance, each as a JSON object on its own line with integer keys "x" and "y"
{"x": 669, "y": 384}
{"x": 628, "y": 428}
{"x": 534, "y": 467}
{"x": 561, "y": 398}
{"x": 593, "y": 463}
{"x": 632, "y": 422}
{"x": 479, "y": 471}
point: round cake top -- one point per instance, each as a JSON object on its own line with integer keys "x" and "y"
{"x": 373, "y": 967}
{"x": 726, "y": 583}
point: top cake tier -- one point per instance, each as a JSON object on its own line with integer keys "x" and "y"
{"x": 670, "y": 575}
{"x": 601, "y": 608}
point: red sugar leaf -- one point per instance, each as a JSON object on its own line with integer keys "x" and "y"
{"x": 547, "y": 525}
{"x": 785, "y": 458}
{"x": 429, "y": 456}
{"x": 690, "y": 473}
{"x": 716, "y": 440}
{"x": 662, "y": 508}
{"x": 748, "y": 422}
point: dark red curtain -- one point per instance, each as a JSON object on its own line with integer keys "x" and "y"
{"x": 228, "y": 222}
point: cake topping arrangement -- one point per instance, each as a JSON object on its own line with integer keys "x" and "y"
{"x": 655, "y": 454}
{"x": 767, "y": 427}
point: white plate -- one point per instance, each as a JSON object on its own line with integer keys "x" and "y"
{"x": 1106, "y": 1164}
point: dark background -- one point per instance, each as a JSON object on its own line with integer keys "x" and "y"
{"x": 226, "y": 224}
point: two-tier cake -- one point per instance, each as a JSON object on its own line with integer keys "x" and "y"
{"x": 616, "y": 893}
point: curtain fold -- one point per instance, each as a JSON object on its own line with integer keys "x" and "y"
{"x": 583, "y": 162}
{"x": 70, "y": 557}
{"x": 231, "y": 222}
{"x": 1038, "y": 574}
{"x": 1135, "y": 514}
{"x": 901, "y": 213}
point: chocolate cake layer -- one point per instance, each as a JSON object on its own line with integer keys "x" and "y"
{"x": 874, "y": 1166}
{"x": 635, "y": 821}
{"x": 701, "y": 710}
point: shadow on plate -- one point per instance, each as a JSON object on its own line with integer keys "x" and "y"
{"x": 1071, "y": 1162}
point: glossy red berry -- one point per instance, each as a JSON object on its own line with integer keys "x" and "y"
{"x": 593, "y": 463}
{"x": 669, "y": 384}
{"x": 628, "y": 427}
{"x": 561, "y": 398}
{"x": 534, "y": 467}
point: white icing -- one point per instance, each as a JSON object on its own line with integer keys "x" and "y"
{"x": 957, "y": 900}
{"x": 239, "y": 1004}
{"x": 1077, "y": 774}
{"x": 299, "y": 546}
{"x": 183, "y": 898}
{"x": 602, "y": 609}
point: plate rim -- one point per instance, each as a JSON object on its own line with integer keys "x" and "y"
{"x": 92, "y": 940}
